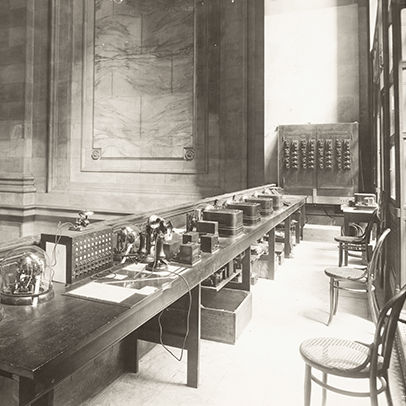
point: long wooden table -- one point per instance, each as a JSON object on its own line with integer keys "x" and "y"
{"x": 40, "y": 346}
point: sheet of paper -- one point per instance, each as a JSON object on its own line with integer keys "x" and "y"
{"x": 119, "y": 277}
{"x": 101, "y": 291}
{"x": 146, "y": 290}
{"x": 171, "y": 270}
{"x": 135, "y": 267}
{"x": 164, "y": 272}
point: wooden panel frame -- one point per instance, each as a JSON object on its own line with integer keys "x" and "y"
{"x": 137, "y": 164}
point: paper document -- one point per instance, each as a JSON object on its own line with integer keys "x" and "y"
{"x": 135, "y": 267}
{"x": 100, "y": 291}
{"x": 169, "y": 271}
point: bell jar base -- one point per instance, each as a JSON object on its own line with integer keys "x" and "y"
{"x": 26, "y": 300}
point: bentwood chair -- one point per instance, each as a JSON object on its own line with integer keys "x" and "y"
{"x": 352, "y": 359}
{"x": 356, "y": 243}
{"x": 360, "y": 280}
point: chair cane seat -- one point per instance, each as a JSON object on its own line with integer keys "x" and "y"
{"x": 356, "y": 274}
{"x": 348, "y": 239}
{"x": 337, "y": 356}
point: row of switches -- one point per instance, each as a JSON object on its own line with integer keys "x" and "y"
{"x": 303, "y": 153}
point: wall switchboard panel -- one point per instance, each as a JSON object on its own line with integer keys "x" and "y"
{"x": 319, "y": 160}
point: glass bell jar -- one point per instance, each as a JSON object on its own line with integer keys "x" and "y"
{"x": 26, "y": 277}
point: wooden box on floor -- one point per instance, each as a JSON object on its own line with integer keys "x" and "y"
{"x": 260, "y": 267}
{"x": 225, "y": 314}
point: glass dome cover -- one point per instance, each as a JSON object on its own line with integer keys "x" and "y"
{"x": 25, "y": 276}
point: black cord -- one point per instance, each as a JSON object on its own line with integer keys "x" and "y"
{"x": 187, "y": 321}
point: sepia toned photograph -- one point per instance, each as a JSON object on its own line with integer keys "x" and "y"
{"x": 202, "y": 202}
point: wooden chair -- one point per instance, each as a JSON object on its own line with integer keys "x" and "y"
{"x": 356, "y": 243}
{"x": 352, "y": 359}
{"x": 363, "y": 278}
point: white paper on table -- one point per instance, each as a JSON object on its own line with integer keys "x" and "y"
{"x": 169, "y": 271}
{"x": 119, "y": 277}
{"x": 146, "y": 290}
{"x": 135, "y": 267}
{"x": 101, "y": 291}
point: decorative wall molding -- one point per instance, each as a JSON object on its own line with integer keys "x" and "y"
{"x": 23, "y": 184}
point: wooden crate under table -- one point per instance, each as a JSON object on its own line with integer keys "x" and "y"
{"x": 225, "y": 314}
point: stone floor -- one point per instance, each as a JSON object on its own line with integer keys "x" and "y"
{"x": 264, "y": 367}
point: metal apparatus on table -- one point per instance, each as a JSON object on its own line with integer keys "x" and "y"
{"x": 26, "y": 277}
{"x": 230, "y": 221}
{"x": 251, "y": 210}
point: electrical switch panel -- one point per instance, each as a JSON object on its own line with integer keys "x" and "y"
{"x": 319, "y": 160}
{"x": 328, "y": 154}
{"x": 320, "y": 153}
{"x": 294, "y": 155}
{"x": 303, "y": 153}
{"x": 339, "y": 154}
{"x": 312, "y": 154}
{"x": 286, "y": 154}
{"x": 346, "y": 155}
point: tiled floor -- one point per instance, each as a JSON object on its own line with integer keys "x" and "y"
{"x": 264, "y": 367}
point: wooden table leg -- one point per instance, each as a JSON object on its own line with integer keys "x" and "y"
{"x": 193, "y": 341}
{"x": 246, "y": 270}
{"x": 287, "y": 242}
{"x": 131, "y": 351}
{"x": 297, "y": 227}
{"x": 27, "y": 391}
{"x": 271, "y": 254}
{"x": 302, "y": 220}
{"x": 45, "y": 400}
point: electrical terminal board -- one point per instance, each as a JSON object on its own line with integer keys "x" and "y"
{"x": 319, "y": 160}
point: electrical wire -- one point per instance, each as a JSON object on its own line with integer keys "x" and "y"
{"x": 187, "y": 321}
{"x": 58, "y": 236}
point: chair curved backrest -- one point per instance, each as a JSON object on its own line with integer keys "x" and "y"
{"x": 381, "y": 349}
{"x": 372, "y": 270}
{"x": 376, "y": 255}
{"x": 374, "y": 219}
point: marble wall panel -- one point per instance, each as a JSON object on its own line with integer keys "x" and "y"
{"x": 143, "y": 96}
{"x": 121, "y": 136}
{"x": 134, "y": 76}
{"x": 167, "y": 123}
{"x": 168, "y": 32}
{"x": 182, "y": 74}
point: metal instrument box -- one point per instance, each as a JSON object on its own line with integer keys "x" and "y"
{"x": 207, "y": 227}
{"x": 230, "y": 220}
{"x": 250, "y": 211}
{"x": 276, "y": 200}
{"x": 364, "y": 200}
{"x": 189, "y": 253}
{"x": 79, "y": 254}
{"x": 266, "y": 205}
{"x": 191, "y": 236}
{"x": 209, "y": 243}
{"x": 171, "y": 249}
